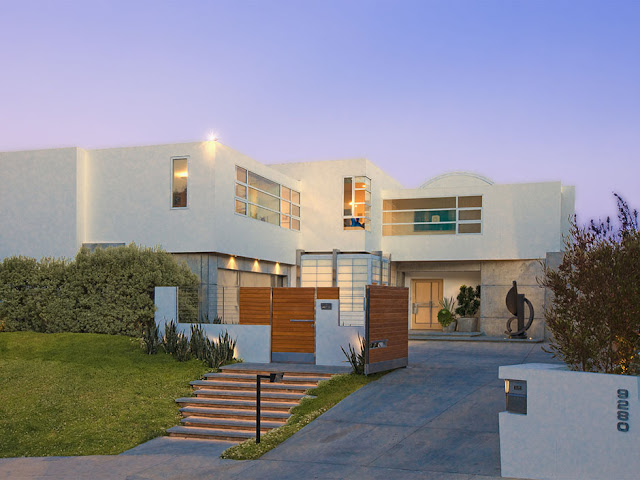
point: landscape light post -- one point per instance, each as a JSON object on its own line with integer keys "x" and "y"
{"x": 273, "y": 377}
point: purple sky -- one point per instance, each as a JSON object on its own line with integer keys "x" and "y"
{"x": 516, "y": 91}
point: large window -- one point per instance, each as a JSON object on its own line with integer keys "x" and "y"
{"x": 357, "y": 203}
{"x": 432, "y": 216}
{"x": 179, "y": 176}
{"x": 263, "y": 199}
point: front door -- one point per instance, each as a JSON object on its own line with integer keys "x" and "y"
{"x": 293, "y": 328}
{"x": 426, "y": 296}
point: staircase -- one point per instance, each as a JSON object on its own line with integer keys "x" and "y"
{"x": 223, "y": 406}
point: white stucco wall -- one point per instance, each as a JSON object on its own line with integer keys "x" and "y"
{"x": 39, "y": 196}
{"x": 130, "y": 201}
{"x": 570, "y": 430}
{"x": 518, "y": 221}
{"x": 322, "y": 197}
{"x": 331, "y": 337}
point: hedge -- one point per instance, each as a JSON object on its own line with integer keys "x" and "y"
{"x": 106, "y": 291}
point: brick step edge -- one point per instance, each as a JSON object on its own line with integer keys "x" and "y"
{"x": 206, "y": 422}
{"x": 230, "y": 413}
{"x": 210, "y": 434}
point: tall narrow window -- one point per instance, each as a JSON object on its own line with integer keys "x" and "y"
{"x": 179, "y": 178}
{"x": 357, "y": 203}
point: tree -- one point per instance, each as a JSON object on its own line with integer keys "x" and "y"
{"x": 595, "y": 313}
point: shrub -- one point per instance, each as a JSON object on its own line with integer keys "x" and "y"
{"x": 170, "y": 339}
{"x": 595, "y": 314}
{"x": 151, "y": 339}
{"x": 356, "y": 359}
{"x": 445, "y": 314}
{"x": 106, "y": 291}
{"x": 198, "y": 342}
{"x": 183, "y": 350}
{"x": 468, "y": 301}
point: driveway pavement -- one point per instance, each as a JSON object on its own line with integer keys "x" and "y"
{"x": 436, "y": 419}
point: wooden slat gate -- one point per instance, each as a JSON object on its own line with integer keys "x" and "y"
{"x": 291, "y": 312}
{"x": 386, "y": 328}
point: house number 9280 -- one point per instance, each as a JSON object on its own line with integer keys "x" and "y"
{"x": 623, "y": 410}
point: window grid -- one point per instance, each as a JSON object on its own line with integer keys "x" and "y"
{"x": 287, "y": 212}
{"x": 457, "y": 226}
{"x": 357, "y": 203}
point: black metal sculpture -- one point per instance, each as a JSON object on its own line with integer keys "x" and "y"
{"x": 515, "y": 305}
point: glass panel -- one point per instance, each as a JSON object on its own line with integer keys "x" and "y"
{"x": 470, "y": 214}
{"x": 424, "y": 229}
{"x": 435, "y": 216}
{"x": 241, "y": 207}
{"x": 295, "y": 210}
{"x": 264, "y": 215}
{"x": 264, "y": 199}
{"x": 295, "y": 224}
{"x": 362, "y": 196}
{"x": 286, "y": 193}
{"x": 285, "y": 207}
{"x": 419, "y": 203}
{"x": 469, "y": 228}
{"x": 354, "y": 223}
{"x": 264, "y": 184}
{"x": 241, "y": 174}
{"x": 363, "y": 182}
{"x": 348, "y": 196}
{"x": 464, "y": 202}
{"x": 241, "y": 191}
{"x": 285, "y": 221}
{"x": 179, "y": 183}
{"x": 295, "y": 197}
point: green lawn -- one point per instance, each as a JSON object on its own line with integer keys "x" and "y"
{"x": 85, "y": 394}
{"x": 327, "y": 394}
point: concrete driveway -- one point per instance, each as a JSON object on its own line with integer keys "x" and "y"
{"x": 436, "y": 419}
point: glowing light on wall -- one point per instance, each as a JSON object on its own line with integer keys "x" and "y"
{"x": 277, "y": 269}
{"x": 256, "y": 266}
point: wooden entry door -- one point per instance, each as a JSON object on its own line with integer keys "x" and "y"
{"x": 426, "y": 296}
{"x": 293, "y": 328}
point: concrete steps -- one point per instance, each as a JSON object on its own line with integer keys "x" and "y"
{"x": 223, "y": 406}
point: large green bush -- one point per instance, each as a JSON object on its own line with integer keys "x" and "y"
{"x": 106, "y": 291}
{"x": 595, "y": 313}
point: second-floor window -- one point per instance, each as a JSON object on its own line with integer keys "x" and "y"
{"x": 179, "y": 177}
{"x": 357, "y": 203}
{"x": 432, "y": 216}
{"x": 263, "y": 199}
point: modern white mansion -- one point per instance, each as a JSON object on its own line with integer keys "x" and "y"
{"x": 342, "y": 223}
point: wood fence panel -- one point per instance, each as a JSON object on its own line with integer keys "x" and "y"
{"x": 387, "y": 321}
{"x": 255, "y": 305}
{"x": 293, "y": 304}
{"x": 328, "y": 293}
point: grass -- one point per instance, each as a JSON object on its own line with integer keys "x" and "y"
{"x": 327, "y": 394}
{"x": 85, "y": 394}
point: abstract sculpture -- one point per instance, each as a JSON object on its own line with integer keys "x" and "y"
{"x": 515, "y": 305}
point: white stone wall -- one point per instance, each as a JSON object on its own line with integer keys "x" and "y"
{"x": 571, "y": 428}
{"x": 39, "y": 194}
{"x": 519, "y": 221}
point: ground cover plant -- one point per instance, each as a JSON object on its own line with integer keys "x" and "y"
{"x": 327, "y": 394}
{"x": 85, "y": 394}
{"x": 106, "y": 291}
{"x": 595, "y": 313}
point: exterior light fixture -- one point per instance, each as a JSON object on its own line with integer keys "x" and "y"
{"x": 273, "y": 377}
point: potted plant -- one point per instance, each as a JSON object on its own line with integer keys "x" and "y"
{"x": 468, "y": 306}
{"x": 446, "y": 317}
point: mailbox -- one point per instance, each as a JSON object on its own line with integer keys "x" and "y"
{"x": 516, "y": 392}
